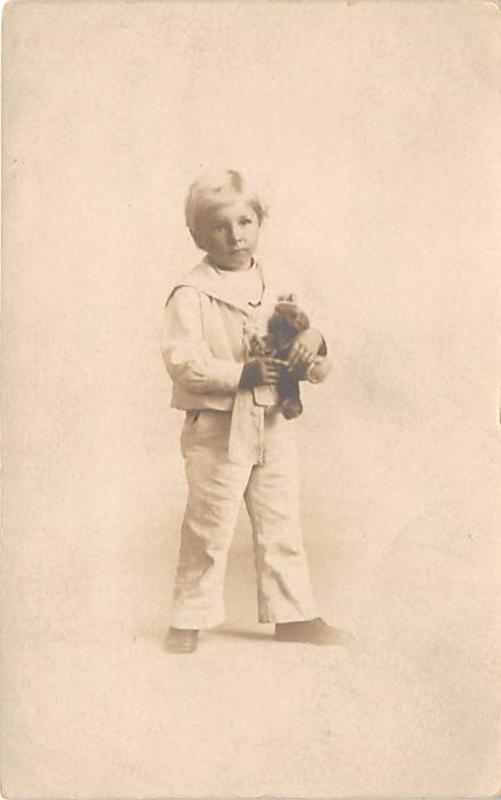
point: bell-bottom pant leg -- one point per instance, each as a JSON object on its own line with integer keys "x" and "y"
{"x": 215, "y": 490}
{"x": 272, "y": 499}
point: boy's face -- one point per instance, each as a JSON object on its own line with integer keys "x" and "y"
{"x": 229, "y": 234}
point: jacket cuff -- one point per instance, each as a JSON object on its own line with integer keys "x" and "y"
{"x": 229, "y": 379}
{"x": 318, "y": 371}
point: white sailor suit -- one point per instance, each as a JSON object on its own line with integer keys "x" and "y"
{"x": 235, "y": 445}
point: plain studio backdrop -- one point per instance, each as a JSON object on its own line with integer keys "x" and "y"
{"x": 373, "y": 129}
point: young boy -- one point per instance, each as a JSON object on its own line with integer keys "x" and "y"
{"x": 235, "y": 442}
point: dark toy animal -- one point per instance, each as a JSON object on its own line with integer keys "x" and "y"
{"x": 286, "y": 322}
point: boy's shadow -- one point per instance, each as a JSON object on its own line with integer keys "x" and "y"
{"x": 343, "y": 638}
{"x": 241, "y": 633}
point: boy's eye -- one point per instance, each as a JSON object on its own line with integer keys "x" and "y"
{"x": 245, "y": 221}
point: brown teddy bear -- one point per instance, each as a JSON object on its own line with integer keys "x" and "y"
{"x": 286, "y": 322}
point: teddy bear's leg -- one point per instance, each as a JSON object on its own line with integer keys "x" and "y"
{"x": 290, "y": 400}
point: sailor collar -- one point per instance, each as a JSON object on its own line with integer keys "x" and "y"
{"x": 210, "y": 280}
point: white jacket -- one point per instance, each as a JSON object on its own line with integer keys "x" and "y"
{"x": 205, "y": 337}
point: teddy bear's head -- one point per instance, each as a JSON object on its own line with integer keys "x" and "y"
{"x": 286, "y": 322}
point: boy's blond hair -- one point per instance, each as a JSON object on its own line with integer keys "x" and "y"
{"x": 214, "y": 190}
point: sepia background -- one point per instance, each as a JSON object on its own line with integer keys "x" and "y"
{"x": 373, "y": 130}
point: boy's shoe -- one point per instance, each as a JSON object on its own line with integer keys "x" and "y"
{"x": 180, "y": 640}
{"x": 311, "y": 631}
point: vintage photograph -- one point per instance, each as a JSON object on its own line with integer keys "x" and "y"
{"x": 250, "y": 399}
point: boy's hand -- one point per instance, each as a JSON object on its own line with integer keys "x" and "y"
{"x": 261, "y": 371}
{"x": 305, "y": 348}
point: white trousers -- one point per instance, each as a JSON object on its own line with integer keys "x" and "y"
{"x": 266, "y": 477}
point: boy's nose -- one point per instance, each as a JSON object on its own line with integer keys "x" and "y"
{"x": 234, "y": 235}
